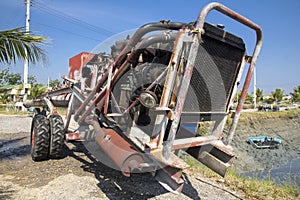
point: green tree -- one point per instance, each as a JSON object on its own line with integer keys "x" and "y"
{"x": 5, "y": 98}
{"x": 3, "y": 76}
{"x": 36, "y": 91}
{"x": 249, "y": 97}
{"x": 259, "y": 95}
{"x": 238, "y": 96}
{"x": 296, "y": 94}
{"x": 19, "y": 44}
{"x": 277, "y": 94}
{"x": 54, "y": 83}
{"x": 269, "y": 100}
{"x": 9, "y": 78}
{"x": 32, "y": 80}
{"x": 14, "y": 79}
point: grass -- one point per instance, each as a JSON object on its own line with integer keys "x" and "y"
{"x": 287, "y": 114}
{"x": 12, "y": 111}
{"x": 251, "y": 187}
{"x": 261, "y": 189}
{"x": 61, "y": 110}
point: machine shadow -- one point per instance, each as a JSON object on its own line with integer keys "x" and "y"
{"x": 14, "y": 147}
{"x": 116, "y": 186}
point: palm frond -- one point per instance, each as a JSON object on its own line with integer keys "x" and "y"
{"x": 19, "y": 44}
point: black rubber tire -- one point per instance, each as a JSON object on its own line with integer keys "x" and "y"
{"x": 57, "y": 137}
{"x": 40, "y": 138}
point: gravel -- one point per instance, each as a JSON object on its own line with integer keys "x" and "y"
{"x": 79, "y": 176}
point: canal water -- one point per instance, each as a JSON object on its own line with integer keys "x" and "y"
{"x": 285, "y": 174}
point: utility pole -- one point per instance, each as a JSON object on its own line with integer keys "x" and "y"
{"x": 27, "y": 29}
{"x": 254, "y": 88}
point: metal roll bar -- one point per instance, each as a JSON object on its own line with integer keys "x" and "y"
{"x": 259, "y": 38}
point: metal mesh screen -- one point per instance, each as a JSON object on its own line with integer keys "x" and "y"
{"x": 216, "y": 68}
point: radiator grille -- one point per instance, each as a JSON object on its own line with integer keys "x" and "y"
{"x": 216, "y": 67}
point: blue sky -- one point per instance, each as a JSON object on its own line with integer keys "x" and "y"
{"x": 74, "y": 26}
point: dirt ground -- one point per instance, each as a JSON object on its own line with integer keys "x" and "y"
{"x": 79, "y": 176}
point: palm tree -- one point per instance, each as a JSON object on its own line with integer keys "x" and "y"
{"x": 36, "y": 90}
{"x": 296, "y": 94}
{"x": 278, "y": 94}
{"x": 259, "y": 95}
{"x": 19, "y": 44}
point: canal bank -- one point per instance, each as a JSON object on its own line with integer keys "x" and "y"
{"x": 279, "y": 165}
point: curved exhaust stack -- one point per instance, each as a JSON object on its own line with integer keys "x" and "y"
{"x": 123, "y": 154}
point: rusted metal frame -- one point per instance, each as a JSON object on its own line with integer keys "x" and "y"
{"x": 133, "y": 41}
{"x": 143, "y": 44}
{"x": 170, "y": 178}
{"x": 89, "y": 98}
{"x": 137, "y": 99}
{"x": 128, "y": 159}
{"x": 73, "y": 136}
{"x": 193, "y": 142}
{"x": 169, "y": 171}
{"x": 76, "y": 92}
{"x": 68, "y": 79}
{"x": 237, "y": 82}
{"x": 219, "y": 130}
{"x": 161, "y": 119}
{"x": 98, "y": 97}
{"x": 114, "y": 101}
{"x": 183, "y": 89}
{"x": 34, "y": 103}
{"x": 147, "y": 89}
{"x": 52, "y": 108}
{"x": 170, "y": 37}
{"x": 97, "y": 100}
{"x": 230, "y": 13}
{"x": 223, "y": 9}
{"x": 163, "y": 25}
{"x": 108, "y": 90}
{"x": 95, "y": 95}
{"x": 56, "y": 93}
{"x": 69, "y": 113}
{"x": 204, "y": 113}
{"x": 219, "y": 119}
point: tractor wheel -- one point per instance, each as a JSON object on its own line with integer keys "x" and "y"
{"x": 39, "y": 138}
{"x": 57, "y": 136}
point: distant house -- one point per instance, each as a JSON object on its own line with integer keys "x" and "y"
{"x": 267, "y": 97}
{"x": 15, "y": 94}
{"x": 287, "y": 97}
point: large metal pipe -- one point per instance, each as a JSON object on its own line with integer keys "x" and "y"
{"x": 123, "y": 154}
{"x": 162, "y": 25}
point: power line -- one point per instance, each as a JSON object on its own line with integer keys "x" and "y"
{"x": 68, "y": 18}
{"x": 66, "y": 31}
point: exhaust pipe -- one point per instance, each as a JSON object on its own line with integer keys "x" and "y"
{"x": 124, "y": 155}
